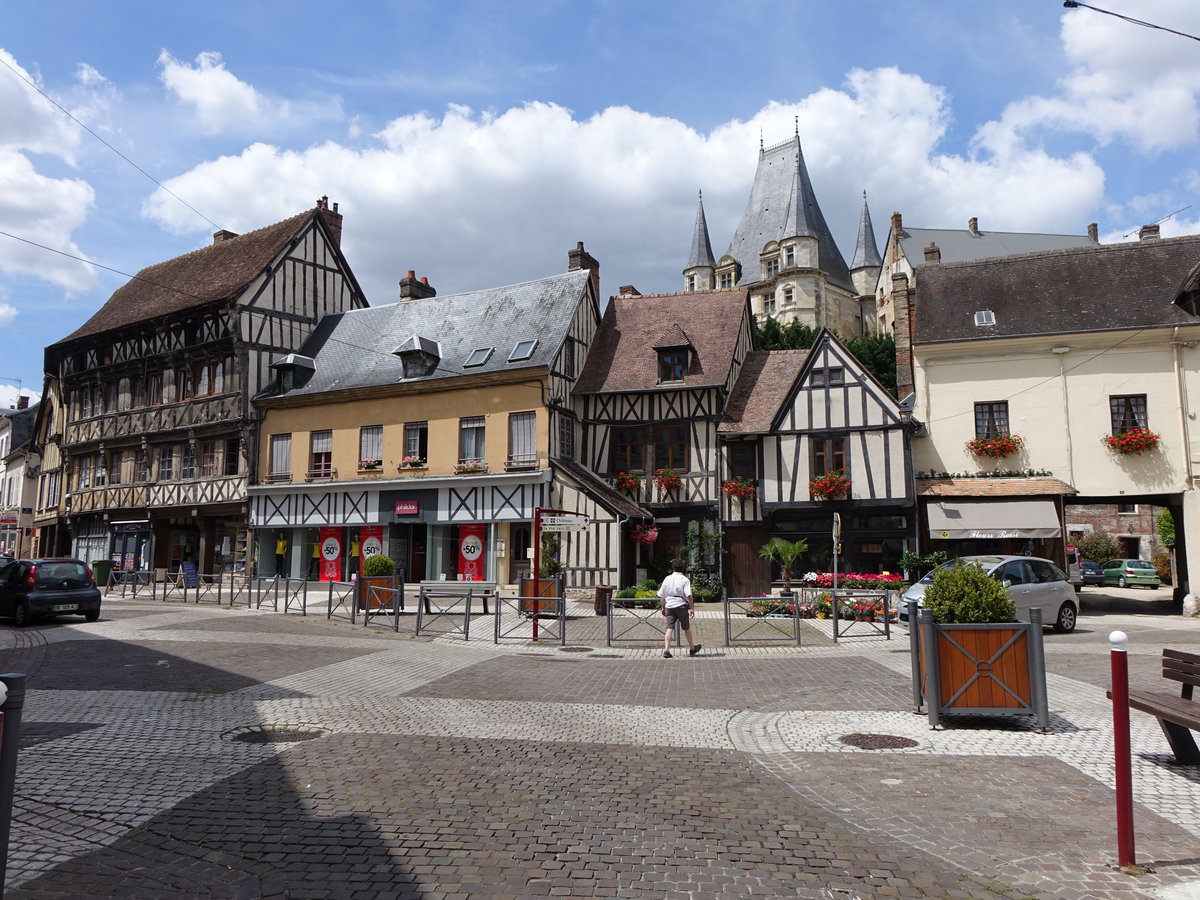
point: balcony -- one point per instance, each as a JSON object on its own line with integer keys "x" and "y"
{"x": 133, "y": 423}
{"x": 321, "y": 473}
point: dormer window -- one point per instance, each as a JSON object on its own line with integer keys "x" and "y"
{"x": 691, "y": 283}
{"x": 725, "y": 280}
{"x": 294, "y": 371}
{"x": 672, "y": 364}
{"x": 420, "y": 356}
{"x": 984, "y": 317}
{"x": 773, "y": 267}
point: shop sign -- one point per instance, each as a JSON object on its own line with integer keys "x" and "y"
{"x": 470, "y": 552}
{"x": 408, "y": 507}
{"x": 6, "y": 519}
{"x": 331, "y": 553}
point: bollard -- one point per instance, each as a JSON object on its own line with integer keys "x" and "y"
{"x": 1123, "y": 766}
{"x": 9, "y": 742}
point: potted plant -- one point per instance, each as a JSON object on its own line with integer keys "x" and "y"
{"x": 829, "y": 486}
{"x": 644, "y": 534}
{"x": 997, "y": 446}
{"x": 412, "y": 462}
{"x": 668, "y": 481}
{"x": 785, "y": 553}
{"x": 1133, "y": 442}
{"x": 378, "y": 571}
{"x": 740, "y": 488}
{"x": 368, "y": 464}
{"x": 629, "y": 482}
{"x": 823, "y": 606}
{"x": 970, "y": 655}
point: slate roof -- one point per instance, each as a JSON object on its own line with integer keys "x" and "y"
{"x": 1034, "y": 486}
{"x": 216, "y": 272}
{"x": 623, "y": 358}
{"x": 762, "y": 387}
{"x": 866, "y": 251}
{"x": 21, "y": 427}
{"x": 353, "y": 349}
{"x": 701, "y": 253}
{"x": 783, "y": 204}
{"x": 1111, "y": 286}
{"x": 959, "y": 244}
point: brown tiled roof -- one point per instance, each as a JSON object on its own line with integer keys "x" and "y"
{"x": 622, "y": 356}
{"x": 674, "y": 336}
{"x": 1057, "y": 292}
{"x": 1034, "y": 486}
{"x": 212, "y": 273}
{"x": 762, "y": 387}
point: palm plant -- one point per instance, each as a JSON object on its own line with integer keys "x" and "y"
{"x": 784, "y": 552}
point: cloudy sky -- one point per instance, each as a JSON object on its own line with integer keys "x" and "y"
{"x": 476, "y": 142}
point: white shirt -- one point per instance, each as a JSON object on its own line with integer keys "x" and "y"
{"x": 675, "y": 590}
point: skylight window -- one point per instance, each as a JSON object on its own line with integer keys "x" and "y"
{"x": 985, "y": 317}
{"x": 479, "y": 357}
{"x": 523, "y": 350}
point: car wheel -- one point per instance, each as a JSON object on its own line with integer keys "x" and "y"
{"x": 21, "y": 615}
{"x": 1121, "y": 582}
{"x": 1065, "y": 621}
{"x": 92, "y": 615}
{"x": 1154, "y": 587}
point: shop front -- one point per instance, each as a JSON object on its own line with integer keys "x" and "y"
{"x": 1000, "y": 526}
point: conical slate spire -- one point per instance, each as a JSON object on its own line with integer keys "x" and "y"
{"x": 866, "y": 252}
{"x": 796, "y": 224}
{"x": 701, "y": 254}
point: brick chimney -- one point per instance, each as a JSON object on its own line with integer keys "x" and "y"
{"x": 933, "y": 254}
{"x": 1094, "y": 232}
{"x": 22, "y": 402}
{"x": 973, "y": 226}
{"x": 220, "y": 237}
{"x": 1148, "y": 233}
{"x": 411, "y": 289}
{"x": 628, "y": 290}
{"x": 332, "y": 219}
{"x": 580, "y": 259}
{"x": 897, "y": 232}
{"x": 902, "y": 331}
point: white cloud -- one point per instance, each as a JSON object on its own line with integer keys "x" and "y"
{"x": 7, "y": 313}
{"x": 219, "y": 99}
{"x": 31, "y": 123}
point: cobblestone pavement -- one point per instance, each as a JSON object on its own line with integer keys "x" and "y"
{"x": 173, "y": 750}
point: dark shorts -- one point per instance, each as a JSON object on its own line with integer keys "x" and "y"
{"x": 679, "y": 614}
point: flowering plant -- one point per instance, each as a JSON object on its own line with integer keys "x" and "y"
{"x": 470, "y": 468}
{"x": 667, "y": 480}
{"x": 997, "y": 446}
{"x": 413, "y": 462}
{"x": 742, "y": 488}
{"x": 866, "y": 580}
{"x": 370, "y": 463}
{"x": 1134, "y": 442}
{"x": 829, "y": 485}
{"x": 644, "y": 534}
{"x": 629, "y": 482}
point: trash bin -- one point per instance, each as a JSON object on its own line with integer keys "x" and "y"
{"x": 604, "y": 594}
{"x": 102, "y": 568}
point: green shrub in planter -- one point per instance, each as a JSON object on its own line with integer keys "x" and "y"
{"x": 626, "y": 593}
{"x": 378, "y": 566}
{"x": 968, "y": 595}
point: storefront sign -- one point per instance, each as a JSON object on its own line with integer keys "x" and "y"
{"x": 408, "y": 507}
{"x": 470, "y": 552}
{"x": 564, "y": 523}
{"x": 331, "y": 553}
{"x": 372, "y": 542}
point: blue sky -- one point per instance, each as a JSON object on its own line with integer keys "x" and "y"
{"x": 477, "y": 142}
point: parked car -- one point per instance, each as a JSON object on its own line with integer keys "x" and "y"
{"x": 1091, "y": 572}
{"x": 1029, "y": 581}
{"x": 30, "y": 588}
{"x": 1128, "y": 572}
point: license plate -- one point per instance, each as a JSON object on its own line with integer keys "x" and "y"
{"x": 65, "y": 607}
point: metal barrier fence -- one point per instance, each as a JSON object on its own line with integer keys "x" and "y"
{"x": 223, "y": 589}
{"x": 762, "y": 620}
{"x": 342, "y": 600}
{"x": 439, "y": 612}
{"x": 551, "y": 619}
{"x": 631, "y": 623}
{"x": 868, "y": 625}
{"x": 375, "y": 600}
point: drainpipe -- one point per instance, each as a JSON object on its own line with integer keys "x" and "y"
{"x": 1184, "y": 415}
{"x": 1062, "y": 378}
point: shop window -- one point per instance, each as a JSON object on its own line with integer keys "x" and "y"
{"x": 416, "y": 441}
{"x": 671, "y": 447}
{"x": 370, "y": 445}
{"x": 320, "y": 457}
{"x": 471, "y": 440}
{"x": 522, "y": 440}
{"x": 625, "y": 454}
{"x": 991, "y": 419}
{"x": 828, "y": 455}
{"x": 1128, "y": 411}
{"x": 281, "y": 458}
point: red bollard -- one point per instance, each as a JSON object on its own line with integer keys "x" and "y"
{"x": 1122, "y": 757}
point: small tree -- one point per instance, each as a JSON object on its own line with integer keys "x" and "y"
{"x": 1165, "y": 525}
{"x": 784, "y": 552}
{"x": 968, "y": 595}
{"x": 1096, "y": 546}
{"x": 378, "y": 566}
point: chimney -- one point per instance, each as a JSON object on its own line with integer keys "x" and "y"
{"x": 332, "y": 219}
{"x": 973, "y": 226}
{"x": 580, "y": 259}
{"x": 1094, "y": 232}
{"x": 220, "y": 237}
{"x": 22, "y": 402}
{"x": 411, "y": 289}
{"x": 1148, "y": 233}
{"x": 628, "y": 290}
{"x": 933, "y": 254}
{"x": 902, "y": 331}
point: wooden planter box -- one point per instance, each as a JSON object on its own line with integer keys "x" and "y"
{"x": 381, "y": 599}
{"x": 994, "y": 670}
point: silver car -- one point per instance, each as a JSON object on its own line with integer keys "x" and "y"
{"x": 1030, "y": 582}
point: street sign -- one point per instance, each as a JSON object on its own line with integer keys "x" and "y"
{"x": 565, "y": 523}
{"x": 837, "y": 527}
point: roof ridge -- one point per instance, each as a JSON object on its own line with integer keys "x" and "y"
{"x": 1068, "y": 251}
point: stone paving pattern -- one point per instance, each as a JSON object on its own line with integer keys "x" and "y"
{"x": 454, "y": 769}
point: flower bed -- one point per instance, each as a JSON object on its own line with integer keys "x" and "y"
{"x": 1133, "y": 442}
{"x": 997, "y": 446}
{"x": 832, "y": 484}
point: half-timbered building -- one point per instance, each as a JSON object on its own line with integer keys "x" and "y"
{"x": 431, "y": 430}
{"x": 158, "y": 433}
{"x": 799, "y": 422}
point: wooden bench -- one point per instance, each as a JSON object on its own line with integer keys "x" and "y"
{"x": 1178, "y": 716}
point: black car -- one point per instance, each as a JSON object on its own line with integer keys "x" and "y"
{"x": 1090, "y": 572}
{"x": 30, "y": 588}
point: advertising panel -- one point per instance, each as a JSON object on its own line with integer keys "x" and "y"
{"x": 470, "y": 552}
{"x": 331, "y": 554}
{"x": 372, "y": 543}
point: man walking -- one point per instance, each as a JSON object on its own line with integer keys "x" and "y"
{"x": 678, "y": 606}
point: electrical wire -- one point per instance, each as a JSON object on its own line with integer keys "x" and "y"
{"x": 1075, "y": 4}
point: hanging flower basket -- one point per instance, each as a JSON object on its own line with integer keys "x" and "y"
{"x": 644, "y": 534}
{"x": 629, "y": 483}
{"x": 828, "y": 486}
{"x": 1133, "y": 442}
{"x": 997, "y": 446}
{"x": 667, "y": 480}
{"x": 741, "y": 488}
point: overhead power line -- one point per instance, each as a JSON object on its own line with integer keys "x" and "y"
{"x": 1075, "y": 4}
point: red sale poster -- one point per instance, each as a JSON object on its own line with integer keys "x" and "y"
{"x": 331, "y": 554}
{"x": 470, "y": 552}
{"x": 371, "y": 537}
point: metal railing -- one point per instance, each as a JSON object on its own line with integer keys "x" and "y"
{"x": 762, "y": 620}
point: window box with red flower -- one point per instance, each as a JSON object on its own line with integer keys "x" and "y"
{"x": 628, "y": 482}
{"x": 668, "y": 480}
{"x": 1133, "y": 442}
{"x": 741, "y": 488}
{"x": 829, "y": 486}
{"x": 997, "y": 446}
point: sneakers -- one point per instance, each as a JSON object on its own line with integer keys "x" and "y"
{"x": 695, "y": 649}
{"x": 666, "y": 654}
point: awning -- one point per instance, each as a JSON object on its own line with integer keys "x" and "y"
{"x": 993, "y": 519}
